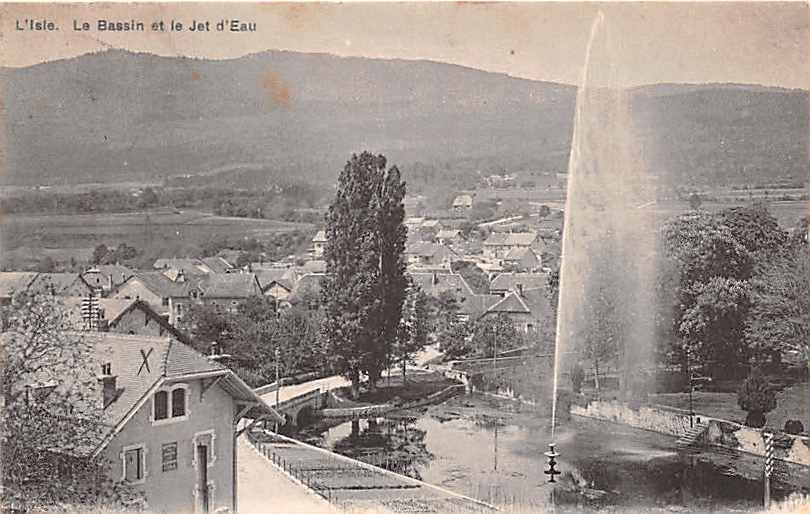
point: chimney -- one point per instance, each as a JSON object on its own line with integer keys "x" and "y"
{"x": 435, "y": 278}
{"x": 181, "y": 277}
{"x": 107, "y": 381}
{"x": 519, "y": 288}
{"x": 110, "y": 282}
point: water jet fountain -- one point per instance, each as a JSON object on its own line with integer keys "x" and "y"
{"x": 608, "y": 259}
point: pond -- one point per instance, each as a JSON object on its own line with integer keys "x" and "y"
{"x": 492, "y": 450}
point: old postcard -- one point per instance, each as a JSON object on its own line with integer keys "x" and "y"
{"x": 405, "y": 257}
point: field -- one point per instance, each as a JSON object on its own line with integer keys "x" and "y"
{"x": 164, "y": 232}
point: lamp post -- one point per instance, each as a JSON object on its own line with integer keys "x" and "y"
{"x": 552, "y": 470}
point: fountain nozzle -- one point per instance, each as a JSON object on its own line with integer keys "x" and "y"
{"x": 552, "y": 470}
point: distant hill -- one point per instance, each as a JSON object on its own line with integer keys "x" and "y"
{"x": 116, "y": 115}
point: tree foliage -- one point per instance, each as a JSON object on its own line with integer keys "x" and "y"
{"x": 779, "y": 318}
{"x": 365, "y": 288}
{"x": 49, "y": 420}
{"x": 252, "y": 333}
{"x": 756, "y": 397}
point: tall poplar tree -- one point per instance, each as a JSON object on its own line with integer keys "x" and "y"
{"x": 365, "y": 288}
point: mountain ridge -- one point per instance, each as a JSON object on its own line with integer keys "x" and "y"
{"x": 118, "y": 115}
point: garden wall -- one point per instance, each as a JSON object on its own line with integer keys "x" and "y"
{"x": 789, "y": 448}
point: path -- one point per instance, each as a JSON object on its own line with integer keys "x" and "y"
{"x": 355, "y": 486}
{"x": 263, "y": 488}
{"x": 291, "y": 391}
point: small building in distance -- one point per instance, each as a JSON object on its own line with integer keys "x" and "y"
{"x": 61, "y": 284}
{"x": 103, "y": 278}
{"x": 449, "y": 237}
{"x": 462, "y": 204}
{"x": 523, "y": 260}
{"x": 319, "y": 244}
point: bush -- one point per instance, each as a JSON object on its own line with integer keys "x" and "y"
{"x": 577, "y": 377}
{"x": 756, "y": 397}
{"x": 794, "y": 427}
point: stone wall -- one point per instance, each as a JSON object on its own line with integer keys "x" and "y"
{"x": 675, "y": 422}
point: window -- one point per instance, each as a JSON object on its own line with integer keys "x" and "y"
{"x": 169, "y": 456}
{"x": 106, "y": 368}
{"x": 161, "y": 405}
{"x": 178, "y": 402}
{"x": 171, "y": 404}
{"x": 133, "y": 464}
{"x": 165, "y": 301}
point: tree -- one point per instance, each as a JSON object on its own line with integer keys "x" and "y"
{"x": 779, "y": 318}
{"x": 365, "y": 284}
{"x": 455, "y": 342}
{"x": 148, "y": 198}
{"x": 712, "y": 327}
{"x": 413, "y": 335}
{"x": 46, "y": 265}
{"x": 49, "y": 426}
{"x": 756, "y": 398}
{"x": 695, "y": 201}
{"x": 392, "y": 236}
{"x": 710, "y": 265}
{"x": 99, "y": 253}
{"x": 755, "y": 228}
{"x": 495, "y": 334}
{"x": 473, "y": 275}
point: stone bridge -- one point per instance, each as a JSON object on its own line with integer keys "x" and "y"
{"x": 300, "y": 409}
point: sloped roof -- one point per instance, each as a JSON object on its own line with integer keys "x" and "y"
{"x": 511, "y": 303}
{"x": 229, "y": 285}
{"x": 161, "y": 285}
{"x": 431, "y": 224}
{"x": 463, "y": 201}
{"x": 511, "y": 239}
{"x": 477, "y": 304}
{"x": 320, "y": 237}
{"x": 519, "y": 252}
{"x": 427, "y": 249}
{"x": 532, "y": 302}
{"x": 57, "y": 283}
{"x": 14, "y": 282}
{"x": 314, "y": 266}
{"x": 189, "y": 266}
{"x": 112, "y": 309}
{"x": 510, "y": 281}
{"x": 447, "y": 233}
{"x": 166, "y": 360}
{"x": 309, "y": 284}
{"x": 436, "y": 283}
{"x": 282, "y": 276}
{"x": 217, "y": 264}
{"x": 99, "y": 276}
{"x": 496, "y": 239}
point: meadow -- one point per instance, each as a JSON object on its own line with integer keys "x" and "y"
{"x": 155, "y": 233}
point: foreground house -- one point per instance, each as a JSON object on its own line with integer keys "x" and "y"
{"x": 172, "y": 416}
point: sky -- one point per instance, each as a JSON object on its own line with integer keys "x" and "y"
{"x": 760, "y": 43}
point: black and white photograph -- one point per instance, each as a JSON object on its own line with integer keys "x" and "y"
{"x": 405, "y": 257}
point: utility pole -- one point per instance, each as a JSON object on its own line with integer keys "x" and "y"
{"x": 768, "y": 468}
{"x": 278, "y": 383}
